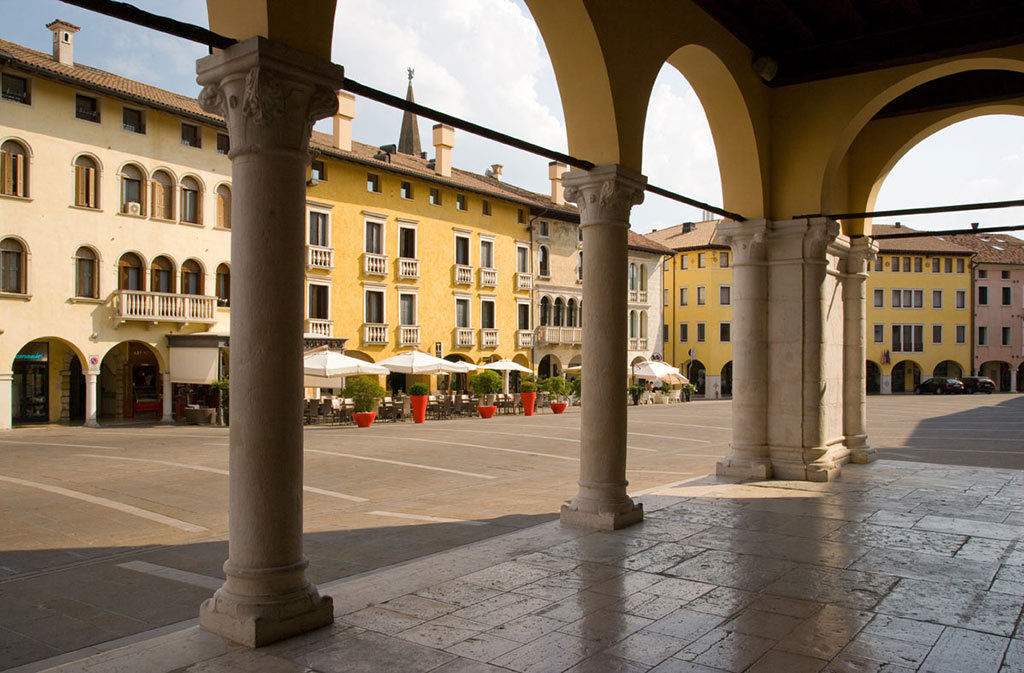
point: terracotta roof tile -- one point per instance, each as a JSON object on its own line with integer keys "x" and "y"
{"x": 993, "y": 248}
{"x": 641, "y": 242}
{"x": 689, "y": 235}
{"x": 923, "y": 244}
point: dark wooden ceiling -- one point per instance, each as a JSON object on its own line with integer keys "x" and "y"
{"x": 818, "y": 39}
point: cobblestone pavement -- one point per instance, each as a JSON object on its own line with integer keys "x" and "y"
{"x": 770, "y": 576}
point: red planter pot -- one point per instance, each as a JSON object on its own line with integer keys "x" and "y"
{"x": 419, "y": 407}
{"x": 529, "y": 400}
{"x": 364, "y": 418}
{"x": 559, "y": 407}
{"x": 486, "y": 412}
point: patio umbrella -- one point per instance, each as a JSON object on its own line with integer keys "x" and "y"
{"x": 505, "y": 366}
{"x": 418, "y": 362}
{"x": 332, "y": 364}
{"x": 649, "y": 369}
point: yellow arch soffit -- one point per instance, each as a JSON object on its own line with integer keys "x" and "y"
{"x": 306, "y": 25}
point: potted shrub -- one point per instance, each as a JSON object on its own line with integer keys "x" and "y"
{"x": 222, "y": 387}
{"x": 485, "y": 385}
{"x": 418, "y": 395}
{"x": 528, "y": 393}
{"x": 577, "y": 390}
{"x": 689, "y": 390}
{"x": 365, "y": 394}
{"x": 636, "y": 391}
{"x": 557, "y": 387}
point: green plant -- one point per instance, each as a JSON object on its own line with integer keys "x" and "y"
{"x": 527, "y": 387}
{"x": 223, "y": 385}
{"x": 635, "y": 392}
{"x": 689, "y": 388}
{"x": 365, "y": 393}
{"x": 528, "y": 378}
{"x": 487, "y": 382}
{"x": 557, "y": 386}
{"x": 442, "y": 383}
{"x": 577, "y": 386}
{"x": 666, "y": 387}
{"x": 419, "y": 389}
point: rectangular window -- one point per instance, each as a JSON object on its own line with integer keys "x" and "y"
{"x": 487, "y": 254}
{"x": 897, "y": 302}
{"x": 936, "y": 298}
{"x": 190, "y": 135}
{"x": 405, "y": 190}
{"x": 701, "y": 335}
{"x": 961, "y": 299}
{"x": 936, "y": 265}
{"x": 918, "y": 298}
{"x": 319, "y": 303}
{"x": 317, "y": 171}
{"x": 462, "y": 312}
{"x": 724, "y": 332}
{"x": 896, "y": 264}
{"x": 1007, "y": 296}
{"x": 407, "y": 242}
{"x": 87, "y": 108}
{"x": 879, "y": 263}
{"x": 664, "y": 333}
{"x": 666, "y": 297}
{"x": 374, "y": 307}
{"x": 131, "y": 120}
{"x": 684, "y": 332}
{"x": 948, "y": 265}
{"x": 982, "y": 336}
{"x": 521, "y": 216}
{"x": 435, "y": 196}
{"x": 684, "y": 261}
{"x": 523, "y": 315}
{"x": 460, "y": 201}
{"x": 1006, "y": 336}
{"x": 723, "y": 260}
{"x": 702, "y": 260}
{"x": 318, "y": 229}
{"x": 684, "y": 296}
{"x": 223, "y": 143}
{"x": 15, "y": 88}
{"x": 373, "y": 183}
{"x": 406, "y": 309}
{"x": 879, "y": 295}
{"x": 917, "y": 265}
{"x": 1005, "y": 275}
{"x": 487, "y": 313}
{"x": 522, "y": 259}
{"x": 936, "y": 334}
{"x": 190, "y": 205}
{"x": 462, "y": 250}
{"x": 85, "y": 277}
{"x": 897, "y": 339}
{"x": 725, "y": 295}
{"x": 908, "y": 338}
{"x": 879, "y": 334}
{"x": 982, "y": 295}
{"x": 485, "y": 207}
{"x": 906, "y": 265}
{"x": 960, "y": 265}
{"x": 542, "y": 228}
{"x": 702, "y": 295}
{"x": 961, "y": 334}
{"x": 374, "y": 241}
{"x": 982, "y": 273}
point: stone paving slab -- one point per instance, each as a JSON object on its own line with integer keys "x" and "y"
{"x": 554, "y": 599}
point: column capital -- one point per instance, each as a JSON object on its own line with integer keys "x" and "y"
{"x": 862, "y": 252}
{"x": 748, "y": 240}
{"x": 604, "y": 194}
{"x": 269, "y": 94}
{"x": 821, "y": 232}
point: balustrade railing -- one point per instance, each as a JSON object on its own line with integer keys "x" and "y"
{"x": 489, "y": 338}
{"x": 409, "y": 335}
{"x": 375, "y": 333}
{"x": 164, "y": 307}
{"x": 463, "y": 274}
{"x": 408, "y": 268}
{"x": 374, "y": 264}
{"x": 524, "y": 281}
{"x": 319, "y": 327}
{"x": 488, "y": 278}
{"x": 464, "y": 337}
{"x": 319, "y": 257}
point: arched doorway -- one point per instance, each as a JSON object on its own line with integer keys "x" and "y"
{"x": 131, "y": 385}
{"x": 697, "y": 373}
{"x": 1020, "y": 378}
{"x": 727, "y": 378}
{"x": 43, "y": 371}
{"x": 549, "y": 366}
{"x": 906, "y": 375}
{"x": 455, "y": 382}
{"x": 999, "y": 372}
{"x": 948, "y": 369}
{"x": 873, "y": 377}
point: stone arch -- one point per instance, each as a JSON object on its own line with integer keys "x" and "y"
{"x": 726, "y": 380}
{"x": 131, "y": 381}
{"x": 697, "y": 373}
{"x": 873, "y": 377}
{"x": 906, "y": 375}
{"x": 550, "y": 365}
{"x": 998, "y": 371}
{"x": 48, "y": 381}
{"x": 306, "y": 25}
{"x": 545, "y": 311}
{"x": 359, "y": 355}
{"x": 521, "y": 359}
{"x": 948, "y": 369}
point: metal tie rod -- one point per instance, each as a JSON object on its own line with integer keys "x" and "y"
{"x": 193, "y": 33}
{"x": 987, "y": 205}
{"x": 949, "y": 232}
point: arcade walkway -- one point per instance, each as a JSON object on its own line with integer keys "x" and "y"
{"x": 898, "y": 566}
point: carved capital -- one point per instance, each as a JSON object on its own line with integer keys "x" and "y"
{"x": 748, "y": 240}
{"x": 819, "y": 235}
{"x": 862, "y": 252}
{"x": 604, "y": 195}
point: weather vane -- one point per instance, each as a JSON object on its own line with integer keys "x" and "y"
{"x": 411, "y": 73}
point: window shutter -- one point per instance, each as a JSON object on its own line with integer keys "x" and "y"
{"x": 6, "y": 181}
{"x": 80, "y": 180}
{"x": 220, "y": 210}
{"x": 90, "y": 187}
{"x": 19, "y": 175}
{"x": 158, "y": 198}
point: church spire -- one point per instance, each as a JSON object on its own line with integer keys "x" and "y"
{"x": 409, "y": 137}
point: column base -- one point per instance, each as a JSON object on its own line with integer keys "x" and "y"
{"x": 743, "y": 468}
{"x": 860, "y": 452}
{"x": 259, "y": 624}
{"x": 91, "y": 424}
{"x": 571, "y": 516}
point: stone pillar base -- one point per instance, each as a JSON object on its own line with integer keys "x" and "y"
{"x": 256, "y": 625}
{"x": 807, "y": 464}
{"x": 743, "y": 469}
{"x": 860, "y": 452}
{"x": 571, "y": 516}
{"x": 91, "y": 423}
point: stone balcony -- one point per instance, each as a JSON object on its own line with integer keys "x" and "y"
{"x": 374, "y": 264}
{"x": 155, "y": 307}
{"x": 464, "y": 337}
{"x": 463, "y": 274}
{"x": 638, "y": 296}
{"x": 318, "y": 327}
{"x": 408, "y": 268}
{"x": 375, "y": 334}
{"x": 524, "y": 339}
{"x": 319, "y": 257}
{"x": 572, "y": 336}
{"x": 524, "y": 282}
{"x": 488, "y": 338}
{"x": 638, "y": 344}
{"x": 488, "y": 278}
{"x": 409, "y": 335}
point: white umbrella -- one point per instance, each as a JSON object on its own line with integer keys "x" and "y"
{"x": 649, "y": 369}
{"x": 332, "y": 365}
{"x": 463, "y": 367}
{"x": 418, "y": 362}
{"x": 505, "y": 366}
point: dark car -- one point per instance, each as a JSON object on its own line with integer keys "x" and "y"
{"x": 939, "y": 385}
{"x": 978, "y": 384}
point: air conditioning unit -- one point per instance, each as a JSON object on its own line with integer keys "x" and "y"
{"x": 134, "y": 208}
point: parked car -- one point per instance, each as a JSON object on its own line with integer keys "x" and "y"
{"x": 939, "y": 385}
{"x": 978, "y": 384}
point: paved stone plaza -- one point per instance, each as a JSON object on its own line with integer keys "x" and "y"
{"x": 899, "y": 566}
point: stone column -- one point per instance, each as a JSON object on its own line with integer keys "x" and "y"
{"x": 862, "y": 251}
{"x": 748, "y": 455}
{"x": 885, "y": 384}
{"x": 6, "y": 400}
{"x": 1013, "y": 379}
{"x": 270, "y": 95}
{"x": 605, "y": 196}
{"x": 168, "y": 398}
{"x": 92, "y": 381}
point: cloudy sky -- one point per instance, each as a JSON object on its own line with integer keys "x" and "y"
{"x": 484, "y": 60}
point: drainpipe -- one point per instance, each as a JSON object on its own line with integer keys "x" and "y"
{"x": 972, "y": 265}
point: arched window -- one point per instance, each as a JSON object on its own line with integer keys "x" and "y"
{"x": 643, "y": 277}
{"x": 223, "y": 285}
{"x": 13, "y": 169}
{"x": 191, "y": 201}
{"x": 632, "y": 278}
{"x": 163, "y": 196}
{"x": 545, "y": 311}
{"x": 133, "y": 190}
{"x": 129, "y": 273}
{"x": 161, "y": 275}
{"x": 545, "y": 261}
{"x": 570, "y": 310}
{"x": 87, "y": 281}
{"x": 224, "y": 207}
{"x": 643, "y": 324}
{"x": 13, "y": 267}
{"x": 632, "y": 325}
{"x": 191, "y": 277}
{"x": 559, "y": 312}
{"x": 87, "y": 183}
{"x": 579, "y": 266}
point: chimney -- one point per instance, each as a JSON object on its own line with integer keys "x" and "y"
{"x": 343, "y": 121}
{"x": 555, "y": 170}
{"x": 495, "y": 171}
{"x": 63, "y": 41}
{"x": 444, "y": 140}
